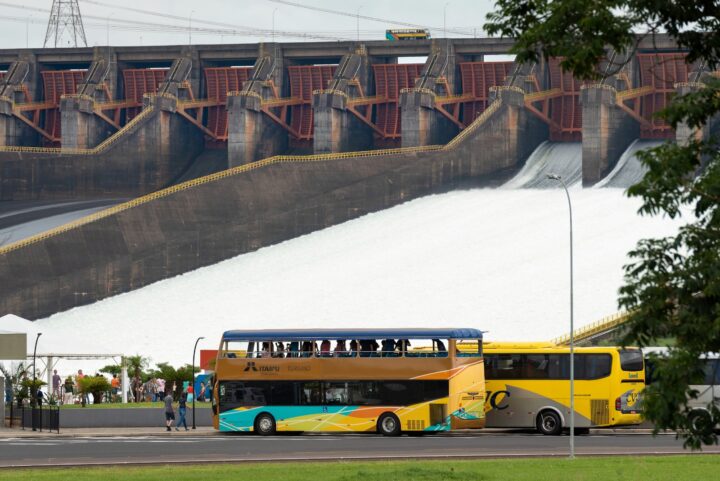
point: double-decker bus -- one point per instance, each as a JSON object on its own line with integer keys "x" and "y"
{"x": 349, "y": 380}
{"x": 407, "y": 34}
{"x": 528, "y": 386}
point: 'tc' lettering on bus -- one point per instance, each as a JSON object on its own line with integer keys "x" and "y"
{"x": 496, "y": 398}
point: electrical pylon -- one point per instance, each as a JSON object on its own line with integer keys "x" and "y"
{"x": 65, "y": 22}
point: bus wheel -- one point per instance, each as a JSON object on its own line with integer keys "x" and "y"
{"x": 265, "y": 424}
{"x": 701, "y": 422}
{"x": 548, "y": 423}
{"x": 388, "y": 425}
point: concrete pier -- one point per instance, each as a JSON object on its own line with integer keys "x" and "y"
{"x": 607, "y": 130}
{"x": 252, "y": 135}
{"x": 81, "y": 128}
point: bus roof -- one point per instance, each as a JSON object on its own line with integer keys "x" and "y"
{"x": 335, "y": 334}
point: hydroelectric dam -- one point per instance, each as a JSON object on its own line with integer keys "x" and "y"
{"x": 148, "y": 162}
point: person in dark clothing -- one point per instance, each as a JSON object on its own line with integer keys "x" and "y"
{"x": 169, "y": 412}
{"x": 182, "y": 410}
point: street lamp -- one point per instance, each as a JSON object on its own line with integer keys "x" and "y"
{"x": 190, "y": 28}
{"x": 193, "y": 378}
{"x": 358, "y": 22}
{"x": 108, "y": 28}
{"x": 445, "y": 19}
{"x": 273, "y": 24}
{"x": 33, "y": 392}
{"x": 572, "y": 326}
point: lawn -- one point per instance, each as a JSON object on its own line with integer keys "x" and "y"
{"x": 198, "y": 405}
{"x": 656, "y": 468}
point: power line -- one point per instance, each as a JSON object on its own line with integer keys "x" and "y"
{"x": 366, "y": 17}
{"x": 258, "y": 31}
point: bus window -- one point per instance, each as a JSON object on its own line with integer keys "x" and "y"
{"x": 596, "y": 366}
{"x": 503, "y": 366}
{"x": 336, "y": 393}
{"x": 712, "y": 371}
{"x": 631, "y": 360}
{"x": 312, "y": 392}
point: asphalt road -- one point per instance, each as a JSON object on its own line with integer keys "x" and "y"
{"x": 15, "y": 452}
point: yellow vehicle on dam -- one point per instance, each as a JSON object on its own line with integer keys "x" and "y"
{"x": 343, "y": 380}
{"x": 528, "y": 386}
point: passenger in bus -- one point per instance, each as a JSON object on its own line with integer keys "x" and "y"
{"x": 307, "y": 349}
{"x": 340, "y": 349}
{"x": 368, "y": 348}
{"x": 266, "y": 350}
{"x": 441, "y": 349}
{"x": 279, "y": 350}
{"x": 388, "y": 348}
{"x": 293, "y": 349}
{"x": 402, "y": 346}
{"x": 353, "y": 348}
{"x": 325, "y": 348}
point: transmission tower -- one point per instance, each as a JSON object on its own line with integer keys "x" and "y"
{"x": 65, "y": 23}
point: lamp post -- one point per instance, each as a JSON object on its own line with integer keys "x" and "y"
{"x": 357, "y": 25}
{"x": 190, "y": 27}
{"x": 445, "y": 19}
{"x": 107, "y": 39}
{"x": 572, "y": 326}
{"x": 193, "y": 378}
{"x": 33, "y": 393}
{"x": 273, "y": 24}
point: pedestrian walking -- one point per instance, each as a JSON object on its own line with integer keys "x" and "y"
{"x": 169, "y": 412}
{"x": 115, "y": 385}
{"x": 182, "y": 410}
{"x": 56, "y": 381}
{"x": 84, "y": 399}
{"x": 161, "y": 388}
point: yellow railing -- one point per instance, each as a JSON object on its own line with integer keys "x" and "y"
{"x": 277, "y": 159}
{"x": 77, "y": 96}
{"x": 591, "y": 330}
{"x": 491, "y": 109}
{"x": 330, "y": 92}
{"x": 542, "y": 95}
{"x": 95, "y": 150}
{"x": 597, "y": 86}
{"x": 422, "y": 90}
{"x": 632, "y": 93}
{"x": 695, "y": 85}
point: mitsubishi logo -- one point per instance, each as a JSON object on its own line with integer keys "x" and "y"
{"x": 250, "y": 365}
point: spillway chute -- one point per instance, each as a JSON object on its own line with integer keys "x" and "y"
{"x": 628, "y": 171}
{"x": 561, "y": 158}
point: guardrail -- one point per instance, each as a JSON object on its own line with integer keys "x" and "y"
{"x": 632, "y": 93}
{"x": 37, "y": 418}
{"x": 277, "y": 159}
{"x": 107, "y": 143}
{"x": 606, "y": 324}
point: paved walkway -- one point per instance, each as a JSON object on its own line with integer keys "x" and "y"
{"x": 209, "y": 431}
{"x": 103, "y": 432}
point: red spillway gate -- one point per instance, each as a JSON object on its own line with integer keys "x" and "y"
{"x": 220, "y": 81}
{"x": 138, "y": 82}
{"x": 57, "y": 83}
{"x": 389, "y": 80}
{"x": 477, "y": 78}
{"x": 303, "y": 80}
{"x": 660, "y": 71}
{"x": 565, "y": 110}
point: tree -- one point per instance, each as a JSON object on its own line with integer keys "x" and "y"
{"x": 672, "y": 285}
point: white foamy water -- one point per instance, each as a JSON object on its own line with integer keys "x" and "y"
{"x": 492, "y": 259}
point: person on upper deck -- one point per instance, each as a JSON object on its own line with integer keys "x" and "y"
{"x": 340, "y": 349}
{"x": 353, "y": 348}
{"x": 388, "y": 348}
{"x": 325, "y": 348}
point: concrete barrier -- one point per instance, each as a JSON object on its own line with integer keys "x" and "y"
{"x": 127, "y": 417}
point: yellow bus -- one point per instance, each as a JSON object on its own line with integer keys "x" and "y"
{"x": 349, "y": 380}
{"x": 528, "y": 386}
{"x": 407, "y": 34}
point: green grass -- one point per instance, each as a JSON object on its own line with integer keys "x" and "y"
{"x": 675, "y": 468}
{"x": 159, "y": 404}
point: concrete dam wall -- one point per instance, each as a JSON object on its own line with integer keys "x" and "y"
{"x": 243, "y": 209}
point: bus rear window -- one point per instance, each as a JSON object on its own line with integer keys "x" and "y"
{"x": 631, "y": 360}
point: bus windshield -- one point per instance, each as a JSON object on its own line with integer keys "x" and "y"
{"x": 631, "y": 360}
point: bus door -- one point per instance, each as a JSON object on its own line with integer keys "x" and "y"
{"x": 466, "y": 403}
{"x": 628, "y": 385}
